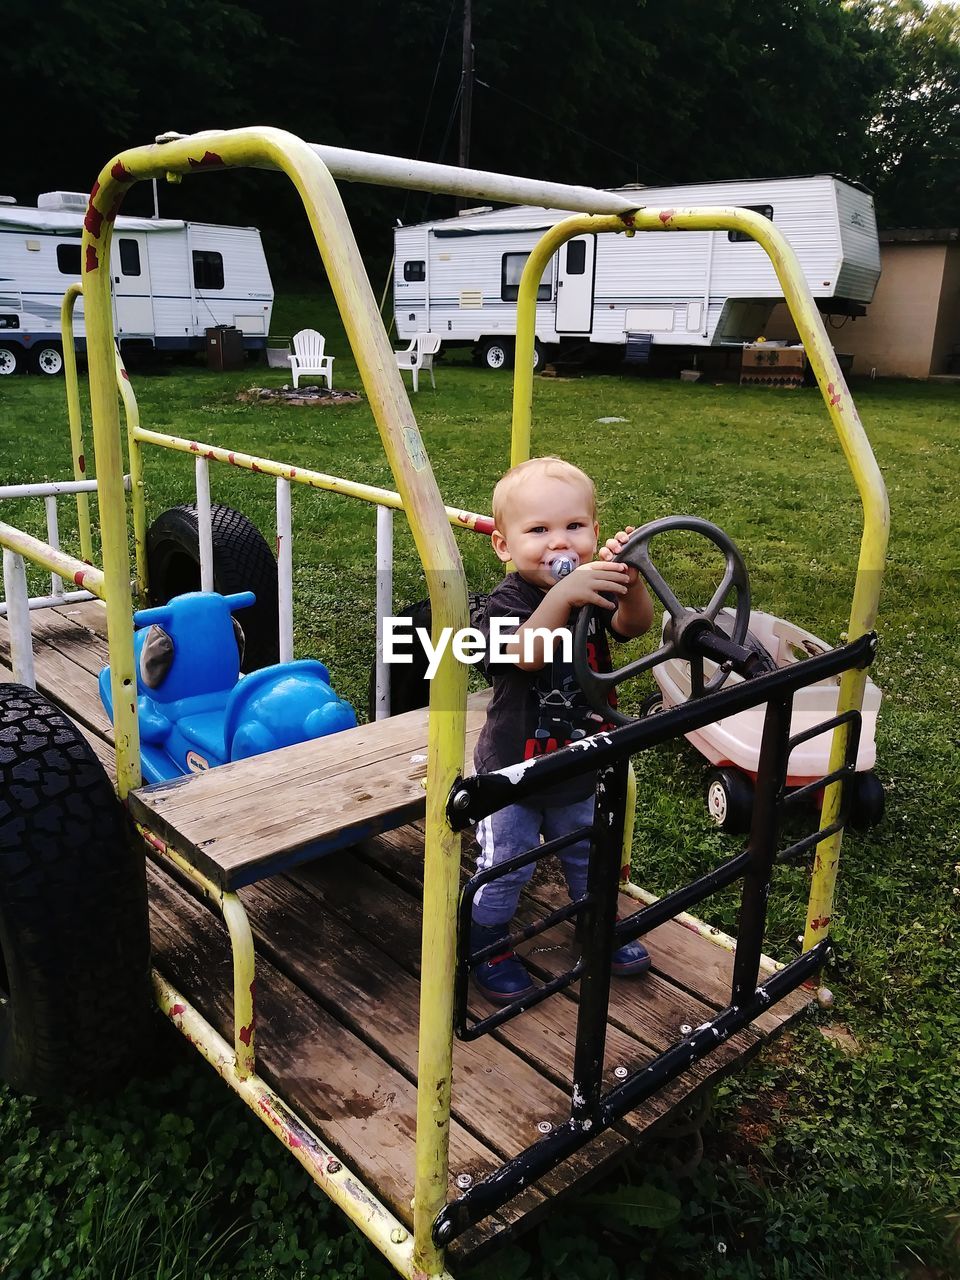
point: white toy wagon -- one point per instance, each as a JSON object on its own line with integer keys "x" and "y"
{"x": 732, "y": 745}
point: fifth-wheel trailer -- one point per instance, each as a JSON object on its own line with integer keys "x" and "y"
{"x": 458, "y": 277}
{"x": 172, "y": 281}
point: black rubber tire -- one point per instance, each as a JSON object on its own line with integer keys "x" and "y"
{"x": 409, "y": 686}
{"x": 11, "y": 359}
{"x": 75, "y": 995}
{"x": 651, "y": 705}
{"x": 47, "y": 359}
{"x": 496, "y": 354}
{"x": 729, "y": 797}
{"x": 539, "y": 356}
{"x": 242, "y": 561}
{"x": 868, "y": 801}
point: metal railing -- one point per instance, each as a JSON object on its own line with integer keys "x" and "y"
{"x": 609, "y": 754}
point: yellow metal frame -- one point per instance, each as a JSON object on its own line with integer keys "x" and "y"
{"x": 430, "y": 522}
{"x": 846, "y": 421}
{"x": 433, "y": 537}
{"x": 75, "y": 291}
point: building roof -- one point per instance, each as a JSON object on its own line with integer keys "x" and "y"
{"x": 924, "y": 235}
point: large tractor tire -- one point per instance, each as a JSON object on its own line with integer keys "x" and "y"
{"x": 242, "y": 561}
{"x": 75, "y": 995}
{"x": 408, "y": 683}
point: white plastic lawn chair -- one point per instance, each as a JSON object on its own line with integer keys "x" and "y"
{"x": 419, "y": 355}
{"x": 308, "y": 357}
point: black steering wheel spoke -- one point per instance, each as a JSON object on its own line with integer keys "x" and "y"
{"x": 721, "y": 594}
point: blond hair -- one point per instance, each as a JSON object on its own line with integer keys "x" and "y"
{"x": 534, "y": 469}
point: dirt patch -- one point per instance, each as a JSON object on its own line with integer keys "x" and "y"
{"x": 842, "y": 1038}
{"x": 299, "y": 396}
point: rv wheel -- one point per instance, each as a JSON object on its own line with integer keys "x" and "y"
{"x": 75, "y": 993}
{"x": 496, "y": 354}
{"x": 539, "y": 355}
{"x": 47, "y": 360}
{"x": 9, "y": 361}
{"x": 242, "y": 561}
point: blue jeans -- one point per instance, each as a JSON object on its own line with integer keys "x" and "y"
{"x": 516, "y": 830}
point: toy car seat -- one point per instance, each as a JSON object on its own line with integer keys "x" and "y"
{"x": 194, "y": 710}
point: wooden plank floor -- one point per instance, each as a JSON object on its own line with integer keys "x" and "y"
{"x": 338, "y": 946}
{"x": 255, "y": 817}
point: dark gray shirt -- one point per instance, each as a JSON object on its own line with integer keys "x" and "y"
{"x": 532, "y": 713}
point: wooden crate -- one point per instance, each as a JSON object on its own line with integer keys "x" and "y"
{"x": 763, "y": 364}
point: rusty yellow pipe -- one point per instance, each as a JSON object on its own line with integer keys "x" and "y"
{"x": 274, "y": 149}
{"x": 131, "y": 411}
{"x": 456, "y": 516}
{"x": 534, "y": 267}
{"x": 82, "y": 575}
{"x": 843, "y": 414}
{"x": 336, "y": 1179}
{"x": 241, "y": 948}
{"x": 75, "y": 291}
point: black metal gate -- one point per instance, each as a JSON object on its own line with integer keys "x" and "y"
{"x": 608, "y": 754}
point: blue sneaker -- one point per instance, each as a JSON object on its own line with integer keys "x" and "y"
{"x": 630, "y": 959}
{"x": 502, "y": 978}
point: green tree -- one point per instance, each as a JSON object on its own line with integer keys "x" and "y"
{"x": 915, "y": 135}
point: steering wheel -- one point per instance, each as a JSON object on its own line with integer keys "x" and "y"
{"x": 691, "y": 634}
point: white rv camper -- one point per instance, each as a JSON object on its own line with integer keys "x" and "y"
{"x": 171, "y": 281}
{"x": 458, "y": 277}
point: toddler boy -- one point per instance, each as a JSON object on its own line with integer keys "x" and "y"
{"x": 543, "y": 509}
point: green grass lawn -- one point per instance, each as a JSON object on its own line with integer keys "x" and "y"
{"x": 834, "y": 1154}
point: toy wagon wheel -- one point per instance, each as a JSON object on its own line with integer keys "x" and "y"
{"x": 74, "y": 941}
{"x": 868, "y": 801}
{"x": 242, "y": 561}
{"x": 729, "y": 798}
{"x": 690, "y": 633}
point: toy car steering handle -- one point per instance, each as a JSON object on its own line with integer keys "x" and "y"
{"x": 691, "y": 634}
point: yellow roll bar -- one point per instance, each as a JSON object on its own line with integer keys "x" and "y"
{"x": 275, "y": 149}
{"x": 842, "y": 411}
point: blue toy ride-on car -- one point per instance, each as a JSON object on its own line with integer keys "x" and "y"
{"x": 194, "y": 708}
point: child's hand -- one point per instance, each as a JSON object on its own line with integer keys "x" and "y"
{"x": 592, "y": 584}
{"x": 613, "y": 546}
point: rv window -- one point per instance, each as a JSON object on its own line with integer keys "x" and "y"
{"x": 414, "y": 271}
{"x": 576, "y": 257}
{"x": 129, "y": 257}
{"x": 766, "y": 210}
{"x": 68, "y": 259}
{"x": 512, "y": 269}
{"x": 207, "y": 269}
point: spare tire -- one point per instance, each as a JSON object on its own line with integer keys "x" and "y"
{"x": 75, "y": 994}
{"x": 242, "y": 561}
{"x": 408, "y": 683}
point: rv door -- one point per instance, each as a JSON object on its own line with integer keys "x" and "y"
{"x": 575, "y": 285}
{"x": 132, "y": 295}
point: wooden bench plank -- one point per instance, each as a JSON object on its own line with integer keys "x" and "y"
{"x": 255, "y": 817}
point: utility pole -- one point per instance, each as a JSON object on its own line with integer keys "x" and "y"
{"x": 466, "y": 85}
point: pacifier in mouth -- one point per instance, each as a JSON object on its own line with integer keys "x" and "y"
{"x": 562, "y": 563}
